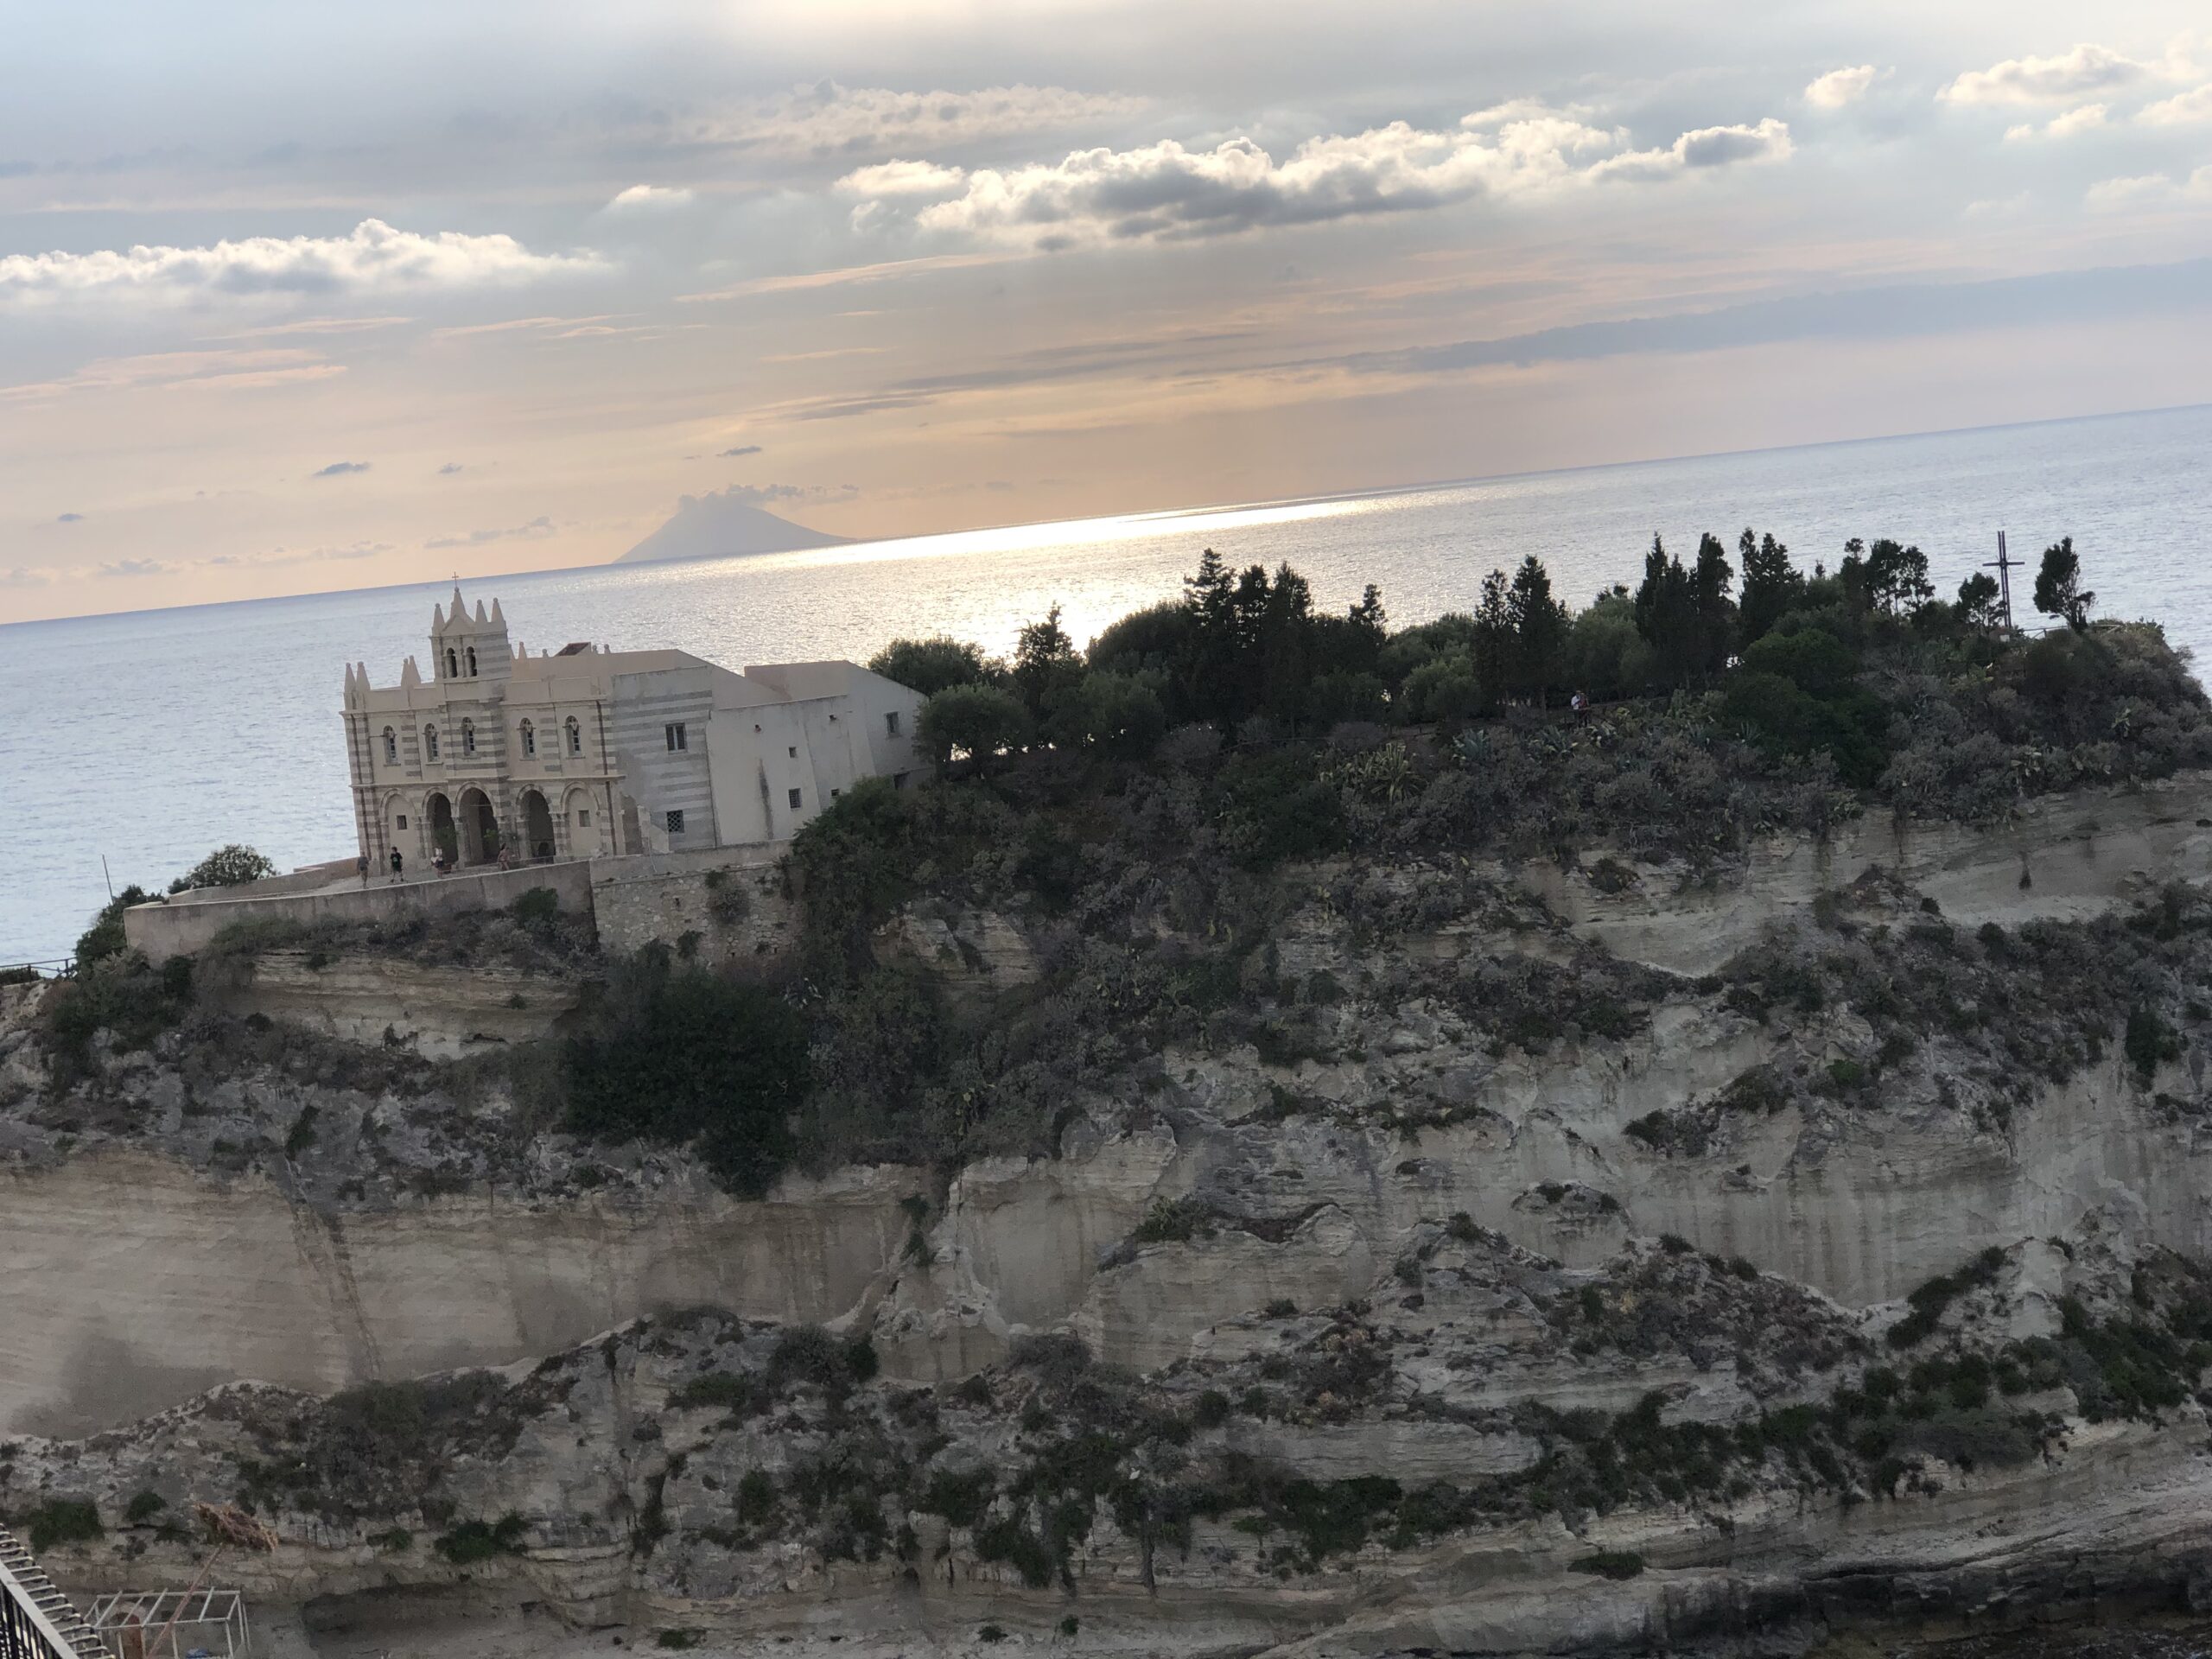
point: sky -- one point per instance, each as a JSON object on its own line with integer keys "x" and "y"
{"x": 296, "y": 298}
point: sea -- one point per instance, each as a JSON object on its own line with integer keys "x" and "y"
{"x": 132, "y": 744}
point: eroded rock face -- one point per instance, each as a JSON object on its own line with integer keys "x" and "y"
{"x": 442, "y": 1010}
{"x": 1449, "y": 1046}
{"x": 1506, "y": 1456}
{"x": 1486, "y": 1243}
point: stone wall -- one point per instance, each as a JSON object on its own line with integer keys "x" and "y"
{"x": 733, "y": 898}
{"x": 162, "y": 931}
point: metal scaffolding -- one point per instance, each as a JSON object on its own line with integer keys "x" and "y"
{"x": 173, "y": 1625}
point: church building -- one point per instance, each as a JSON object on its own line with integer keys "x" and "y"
{"x": 585, "y": 751}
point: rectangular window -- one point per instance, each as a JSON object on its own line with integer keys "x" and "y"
{"x": 891, "y": 722}
{"x": 674, "y": 732}
{"x": 834, "y": 793}
{"x": 675, "y": 822}
{"x": 792, "y": 752}
{"x": 583, "y": 816}
{"x": 402, "y": 820}
{"x": 898, "y": 780}
{"x": 795, "y": 800}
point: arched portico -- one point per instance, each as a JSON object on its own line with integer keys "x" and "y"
{"x": 479, "y": 828}
{"x": 441, "y": 835}
{"x": 538, "y": 839}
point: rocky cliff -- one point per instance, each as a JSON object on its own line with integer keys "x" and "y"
{"x": 1572, "y": 1256}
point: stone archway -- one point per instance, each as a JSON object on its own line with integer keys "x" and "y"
{"x": 536, "y": 825}
{"x": 479, "y": 828}
{"x": 584, "y": 840}
{"x": 440, "y": 834}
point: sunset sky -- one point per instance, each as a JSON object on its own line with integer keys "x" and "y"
{"x": 295, "y": 297}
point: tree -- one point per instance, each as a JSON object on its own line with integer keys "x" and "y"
{"x": 1540, "y": 624}
{"x": 1771, "y": 583}
{"x": 1978, "y": 601}
{"x": 1897, "y": 577}
{"x": 227, "y": 867}
{"x": 1444, "y": 687}
{"x": 977, "y": 721}
{"x": 929, "y": 665}
{"x": 104, "y": 937}
{"x": 1117, "y": 713}
{"x": 2058, "y": 586}
{"x": 1286, "y": 645}
{"x": 1210, "y": 597}
{"x": 1710, "y": 579}
{"x": 1666, "y": 616}
{"x": 1045, "y": 664}
{"x": 1493, "y": 642}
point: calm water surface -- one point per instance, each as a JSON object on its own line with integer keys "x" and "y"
{"x": 151, "y": 737}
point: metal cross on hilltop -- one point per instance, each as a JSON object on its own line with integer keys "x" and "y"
{"x": 2003, "y": 564}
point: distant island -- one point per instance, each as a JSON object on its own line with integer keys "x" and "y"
{"x": 721, "y": 525}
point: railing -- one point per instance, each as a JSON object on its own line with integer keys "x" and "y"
{"x": 36, "y": 1620}
{"x": 14, "y": 973}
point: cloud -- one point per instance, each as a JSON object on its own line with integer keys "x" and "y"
{"x": 650, "y": 197}
{"x": 305, "y": 556}
{"x": 2072, "y": 74}
{"x": 2182, "y": 109}
{"x": 2151, "y": 190}
{"x": 1708, "y": 147}
{"x": 132, "y": 568}
{"x": 1164, "y": 191}
{"x": 741, "y": 449}
{"x": 341, "y": 468}
{"x": 71, "y": 519}
{"x": 449, "y": 469}
{"x": 536, "y": 530}
{"x": 1904, "y": 310}
{"x": 904, "y": 178}
{"x": 2087, "y": 118}
{"x": 22, "y": 576}
{"x": 372, "y": 257}
{"x": 1840, "y": 86}
{"x": 207, "y": 371}
{"x": 828, "y": 120}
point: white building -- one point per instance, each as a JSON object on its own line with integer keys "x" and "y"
{"x": 587, "y": 750}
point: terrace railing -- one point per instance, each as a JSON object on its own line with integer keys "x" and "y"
{"x": 36, "y": 1620}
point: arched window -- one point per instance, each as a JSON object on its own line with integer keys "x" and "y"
{"x": 453, "y": 665}
{"x": 391, "y": 747}
{"x": 468, "y": 737}
{"x": 529, "y": 738}
{"x": 575, "y": 736}
{"x": 472, "y": 662}
{"x": 430, "y": 741}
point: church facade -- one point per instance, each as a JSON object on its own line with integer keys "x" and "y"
{"x": 586, "y": 751}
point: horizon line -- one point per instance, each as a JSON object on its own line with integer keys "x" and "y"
{"x": 1191, "y": 511}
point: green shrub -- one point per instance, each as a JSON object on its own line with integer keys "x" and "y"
{"x": 227, "y": 867}
{"x": 2150, "y": 1042}
{"x": 683, "y": 1055}
{"x": 478, "y": 1541}
{"x": 1611, "y": 1564}
{"x": 729, "y": 1390}
{"x": 675, "y": 1639}
{"x": 144, "y": 1505}
{"x": 1174, "y": 1220}
{"x": 63, "y": 1521}
{"x": 540, "y": 907}
{"x": 962, "y": 1497}
{"x": 1011, "y": 1541}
